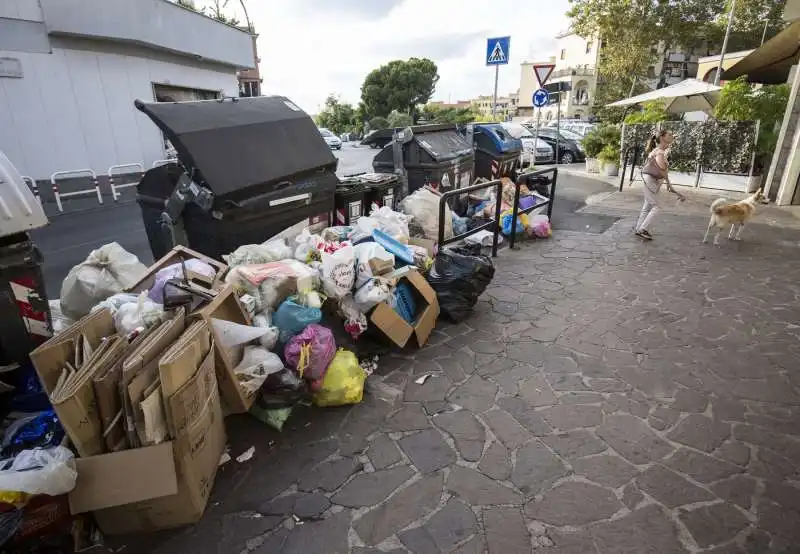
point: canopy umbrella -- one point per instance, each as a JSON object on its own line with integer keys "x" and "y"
{"x": 690, "y": 95}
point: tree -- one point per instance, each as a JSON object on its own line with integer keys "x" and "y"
{"x": 400, "y": 85}
{"x": 456, "y": 116}
{"x": 635, "y": 32}
{"x": 338, "y": 116}
{"x": 377, "y": 123}
{"x": 739, "y": 101}
{"x": 397, "y": 119}
{"x": 217, "y": 11}
{"x": 651, "y": 112}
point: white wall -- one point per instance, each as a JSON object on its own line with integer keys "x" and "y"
{"x": 73, "y": 109}
{"x": 21, "y": 9}
{"x": 575, "y": 50}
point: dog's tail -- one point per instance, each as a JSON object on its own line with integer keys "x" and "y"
{"x": 716, "y": 205}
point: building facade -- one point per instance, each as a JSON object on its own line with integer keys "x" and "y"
{"x": 506, "y": 106}
{"x": 70, "y": 72}
{"x": 250, "y": 79}
{"x": 708, "y": 66}
{"x": 575, "y": 63}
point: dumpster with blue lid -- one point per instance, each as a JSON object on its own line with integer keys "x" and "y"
{"x": 436, "y": 156}
{"x": 497, "y": 153}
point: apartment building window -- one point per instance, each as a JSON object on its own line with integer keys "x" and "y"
{"x": 563, "y": 53}
{"x": 589, "y": 47}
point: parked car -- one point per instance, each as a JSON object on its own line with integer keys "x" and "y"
{"x": 333, "y": 142}
{"x": 544, "y": 153}
{"x": 569, "y": 145}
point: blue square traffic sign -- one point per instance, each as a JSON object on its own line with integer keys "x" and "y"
{"x": 498, "y": 50}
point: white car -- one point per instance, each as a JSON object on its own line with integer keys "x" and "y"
{"x": 333, "y": 142}
{"x": 542, "y": 153}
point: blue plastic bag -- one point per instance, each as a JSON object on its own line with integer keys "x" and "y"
{"x": 519, "y": 228}
{"x": 291, "y": 318}
{"x": 459, "y": 225}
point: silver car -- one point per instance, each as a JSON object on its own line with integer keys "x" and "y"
{"x": 334, "y": 142}
{"x": 541, "y": 153}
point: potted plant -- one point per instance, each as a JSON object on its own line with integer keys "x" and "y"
{"x": 609, "y": 159}
{"x": 592, "y": 145}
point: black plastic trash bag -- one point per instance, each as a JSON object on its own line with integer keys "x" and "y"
{"x": 459, "y": 276}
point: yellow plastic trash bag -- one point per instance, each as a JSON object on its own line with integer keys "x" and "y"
{"x": 343, "y": 382}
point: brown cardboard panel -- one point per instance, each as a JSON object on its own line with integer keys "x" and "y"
{"x": 180, "y": 362}
{"x": 391, "y": 324}
{"x": 226, "y": 306}
{"x": 49, "y": 358}
{"x": 197, "y": 453}
{"x": 123, "y": 478}
{"x": 175, "y": 256}
{"x": 186, "y": 404}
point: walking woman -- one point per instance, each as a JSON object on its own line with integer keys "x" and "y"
{"x": 654, "y": 172}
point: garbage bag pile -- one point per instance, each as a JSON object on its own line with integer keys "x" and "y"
{"x": 156, "y": 351}
{"x": 481, "y": 208}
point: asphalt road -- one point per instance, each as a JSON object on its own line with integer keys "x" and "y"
{"x": 85, "y": 226}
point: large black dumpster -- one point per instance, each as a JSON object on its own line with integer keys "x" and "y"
{"x": 248, "y": 169}
{"x": 436, "y": 155}
{"x": 497, "y": 153}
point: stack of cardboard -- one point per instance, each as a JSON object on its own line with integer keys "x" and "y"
{"x": 144, "y": 417}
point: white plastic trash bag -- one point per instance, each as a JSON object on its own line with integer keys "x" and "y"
{"x": 339, "y": 272}
{"x": 142, "y": 312}
{"x": 230, "y": 334}
{"x": 108, "y": 270}
{"x": 249, "y": 254}
{"x": 377, "y": 290}
{"x": 60, "y": 321}
{"x": 391, "y": 222}
{"x": 270, "y": 338}
{"x": 366, "y": 252}
{"x": 48, "y": 471}
{"x": 257, "y": 364}
{"x": 423, "y": 206}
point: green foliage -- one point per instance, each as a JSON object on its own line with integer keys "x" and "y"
{"x": 337, "y": 116}
{"x": 398, "y": 119}
{"x": 457, "y": 116}
{"x": 399, "y": 85}
{"x": 601, "y": 137}
{"x": 377, "y": 123}
{"x": 592, "y": 143}
{"x": 217, "y": 11}
{"x": 739, "y": 101}
{"x": 609, "y": 154}
{"x": 631, "y": 28}
{"x": 651, "y": 112}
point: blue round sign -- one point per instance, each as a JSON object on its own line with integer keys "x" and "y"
{"x": 541, "y": 98}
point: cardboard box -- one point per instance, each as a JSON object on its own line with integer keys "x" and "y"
{"x": 226, "y": 306}
{"x": 385, "y": 318}
{"x": 79, "y": 412}
{"x": 166, "y": 485}
{"x": 427, "y": 244}
{"x": 176, "y": 255}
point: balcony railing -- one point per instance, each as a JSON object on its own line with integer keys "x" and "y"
{"x": 574, "y": 72}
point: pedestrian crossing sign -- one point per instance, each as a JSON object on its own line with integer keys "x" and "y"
{"x": 497, "y": 50}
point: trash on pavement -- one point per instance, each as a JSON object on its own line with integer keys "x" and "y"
{"x": 421, "y": 379}
{"x": 459, "y": 277}
{"x": 310, "y": 352}
{"x": 247, "y": 455}
{"x": 106, "y": 271}
{"x": 343, "y": 383}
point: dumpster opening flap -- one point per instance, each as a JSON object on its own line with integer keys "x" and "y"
{"x": 238, "y": 143}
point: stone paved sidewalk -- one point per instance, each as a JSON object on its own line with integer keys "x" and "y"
{"x": 609, "y": 396}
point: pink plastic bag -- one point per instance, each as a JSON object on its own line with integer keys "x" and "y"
{"x": 311, "y": 352}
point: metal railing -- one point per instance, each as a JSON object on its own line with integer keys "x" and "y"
{"x": 630, "y": 152}
{"x": 494, "y": 225}
{"x": 573, "y": 72}
{"x": 515, "y": 211}
{"x": 95, "y": 189}
{"x": 115, "y": 170}
{"x": 34, "y": 188}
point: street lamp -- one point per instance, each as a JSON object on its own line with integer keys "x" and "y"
{"x": 725, "y": 42}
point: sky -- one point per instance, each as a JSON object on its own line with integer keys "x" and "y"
{"x": 312, "y": 48}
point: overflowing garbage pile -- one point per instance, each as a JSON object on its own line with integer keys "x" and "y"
{"x": 125, "y": 404}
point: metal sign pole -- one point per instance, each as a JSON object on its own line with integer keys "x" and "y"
{"x": 494, "y": 98}
{"x": 558, "y": 127}
{"x": 536, "y": 140}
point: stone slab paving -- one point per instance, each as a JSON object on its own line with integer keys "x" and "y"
{"x": 608, "y": 396}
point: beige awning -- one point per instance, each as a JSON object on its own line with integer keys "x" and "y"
{"x": 770, "y": 64}
{"x": 690, "y": 95}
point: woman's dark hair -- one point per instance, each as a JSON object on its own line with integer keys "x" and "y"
{"x": 654, "y": 140}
